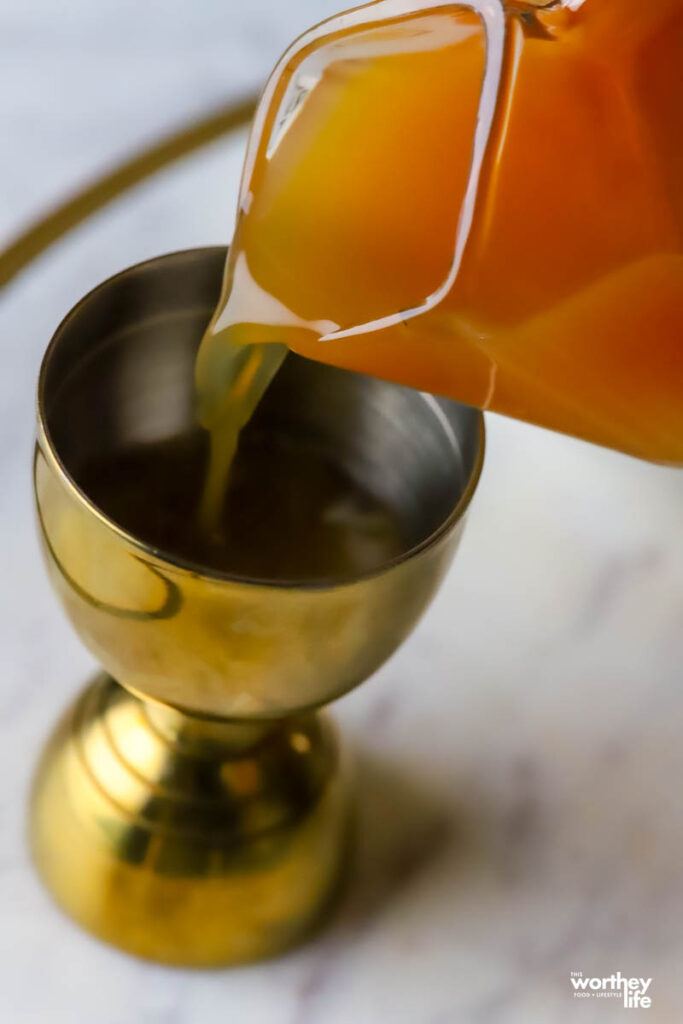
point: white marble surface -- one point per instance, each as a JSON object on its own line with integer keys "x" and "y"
{"x": 521, "y": 813}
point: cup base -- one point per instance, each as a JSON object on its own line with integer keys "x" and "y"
{"x": 186, "y": 840}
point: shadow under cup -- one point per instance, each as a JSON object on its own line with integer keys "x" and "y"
{"x": 118, "y": 375}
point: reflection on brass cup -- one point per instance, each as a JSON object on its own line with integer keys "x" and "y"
{"x": 192, "y": 807}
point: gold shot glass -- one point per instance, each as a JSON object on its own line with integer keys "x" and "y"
{"x": 193, "y": 806}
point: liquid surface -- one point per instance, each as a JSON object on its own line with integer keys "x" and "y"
{"x": 482, "y": 201}
{"x": 289, "y": 513}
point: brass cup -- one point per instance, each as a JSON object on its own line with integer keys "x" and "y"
{"x": 192, "y": 807}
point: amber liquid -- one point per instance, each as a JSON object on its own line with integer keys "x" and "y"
{"x": 289, "y": 512}
{"x": 230, "y": 384}
{"x": 483, "y": 202}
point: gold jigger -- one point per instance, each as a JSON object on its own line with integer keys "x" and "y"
{"x": 192, "y": 807}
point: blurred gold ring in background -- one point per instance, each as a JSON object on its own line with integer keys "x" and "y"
{"x": 42, "y": 233}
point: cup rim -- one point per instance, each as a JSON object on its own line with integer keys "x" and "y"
{"x": 166, "y": 559}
